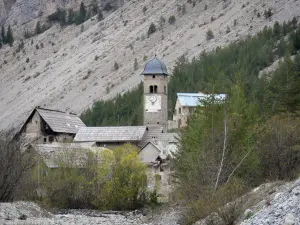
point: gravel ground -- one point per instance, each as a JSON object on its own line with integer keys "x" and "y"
{"x": 31, "y": 214}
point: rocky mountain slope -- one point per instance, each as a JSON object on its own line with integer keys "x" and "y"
{"x": 70, "y": 68}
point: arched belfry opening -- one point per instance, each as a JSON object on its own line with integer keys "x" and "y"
{"x": 155, "y": 94}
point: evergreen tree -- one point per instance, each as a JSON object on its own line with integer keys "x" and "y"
{"x": 94, "y": 8}
{"x": 82, "y": 12}
{"x": 71, "y": 16}
{"x": 100, "y": 15}
{"x": 38, "y": 29}
{"x": 9, "y": 36}
{"x": 3, "y": 35}
{"x": 62, "y": 18}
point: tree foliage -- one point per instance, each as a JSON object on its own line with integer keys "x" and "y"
{"x": 102, "y": 180}
{"x": 246, "y": 57}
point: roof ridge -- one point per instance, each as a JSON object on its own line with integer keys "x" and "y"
{"x": 55, "y": 110}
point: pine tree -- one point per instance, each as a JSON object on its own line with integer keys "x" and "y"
{"x": 82, "y": 12}
{"x": 100, "y": 15}
{"x": 3, "y": 35}
{"x": 71, "y": 16}
{"x": 62, "y": 18}
{"x": 94, "y": 7}
{"x": 9, "y": 36}
{"x": 38, "y": 29}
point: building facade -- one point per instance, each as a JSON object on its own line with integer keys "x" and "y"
{"x": 156, "y": 94}
{"x": 187, "y": 103}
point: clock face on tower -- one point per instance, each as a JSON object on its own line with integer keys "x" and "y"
{"x": 152, "y": 103}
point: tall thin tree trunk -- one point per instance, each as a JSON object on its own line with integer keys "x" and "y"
{"x": 223, "y": 153}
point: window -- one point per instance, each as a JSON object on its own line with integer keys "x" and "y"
{"x": 153, "y": 76}
{"x": 155, "y": 88}
{"x": 51, "y": 139}
{"x": 179, "y": 123}
{"x": 179, "y": 110}
{"x": 151, "y": 89}
{"x": 165, "y": 89}
{"x": 45, "y": 140}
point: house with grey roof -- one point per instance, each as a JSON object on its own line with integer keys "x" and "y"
{"x": 186, "y": 104}
{"x": 45, "y": 126}
{"x": 111, "y": 137}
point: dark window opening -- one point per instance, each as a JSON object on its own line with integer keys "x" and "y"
{"x": 155, "y": 89}
{"x": 51, "y": 139}
{"x": 45, "y": 140}
{"x": 179, "y": 123}
{"x": 157, "y": 122}
{"x": 151, "y": 89}
{"x": 165, "y": 89}
{"x": 153, "y": 76}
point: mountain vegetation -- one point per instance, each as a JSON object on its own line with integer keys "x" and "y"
{"x": 231, "y": 147}
{"x": 213, "y": 72}
{"x": 6, "y": 37}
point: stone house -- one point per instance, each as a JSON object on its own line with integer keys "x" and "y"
{"x": 158, "y": 156}
{"x": 46, "y": 126}
{"x": 186, "y": 104}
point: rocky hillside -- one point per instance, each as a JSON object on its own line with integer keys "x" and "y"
{"x": 69, "y": 68}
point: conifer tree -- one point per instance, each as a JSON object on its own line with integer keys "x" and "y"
{"x": 100, "y": 15}
{"x": 71, "y": 16}
{"x": 94, "y": 8}
{"x": 62, "y": 18}
{"x": 38, "y": 29}
{"x": 82, "y": 12}
{"x": 3, "y": 35}
{"x": 9, "y": 36}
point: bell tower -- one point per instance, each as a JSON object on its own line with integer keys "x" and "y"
{"x": 156, "y": 94}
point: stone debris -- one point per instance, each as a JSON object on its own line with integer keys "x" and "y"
{"x": 283, "y": 208}
{"x": 28, "y": 213}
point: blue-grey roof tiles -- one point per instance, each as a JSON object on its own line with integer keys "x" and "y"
{"x": 155, "y": 67}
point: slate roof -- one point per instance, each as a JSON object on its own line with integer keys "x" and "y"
{"x": 110, "y": 134}
{"x": 155, "y": 66}
{"x": 155, "y": 133}
{"x": 61, "y": 122}
{"x": 52, "y": 154}
{"x": 192, "y": 99}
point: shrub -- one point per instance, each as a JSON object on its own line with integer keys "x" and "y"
{"x": 144, "y": 10}
{"x": 14, "y": 167}
{"x": 268, "y": 13}
{"x": 209, "y": 35}
{"x": 100, "y": 15}
{"x": 96, "y": 57}
{"x": 27, "y": 60}
{"x": 172, "y": 19}
{"x": 152, "y": 29}
{"x": 116, "y": 66}
{"x": 110, "y": 180}
{"x": 135, "y": 65}
{"x": 228, "y": 30}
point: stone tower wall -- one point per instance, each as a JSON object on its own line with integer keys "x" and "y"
{"x": 161, "y": 116}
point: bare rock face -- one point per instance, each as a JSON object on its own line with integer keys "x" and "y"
{"x": 19, "y": 12}
{"x": 69, "y": 68}
{"x": 5, "y": 6}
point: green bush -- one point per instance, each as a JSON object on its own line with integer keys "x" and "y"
{"x": 152, "y": 29}
{"x": 172, "y": 19}
{"x": 209, "y": 35}
{"x": 107, "y": 180}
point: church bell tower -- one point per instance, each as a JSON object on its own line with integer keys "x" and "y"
{"x": 156, "y": 94}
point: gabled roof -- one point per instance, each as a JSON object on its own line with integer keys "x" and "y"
{"x": 76, "y": 154}
{"x": 58, "y": 121}
{"x": 61, "y": 122}
{"x": 193, "y": 99}
{"x": 164, "y": 150}
{"x": 110, "y": 134}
